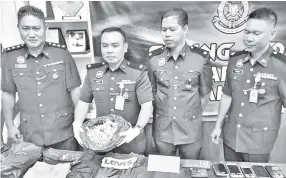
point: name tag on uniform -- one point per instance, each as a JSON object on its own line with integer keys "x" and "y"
{"x": 253, "y": 96}
{"x": 162, "y": 71}
{"x": 237, "y": 71}
{"x": 119, "y": 103}
{"x": 97, "y": 81}
{"x": 20, "y": 66}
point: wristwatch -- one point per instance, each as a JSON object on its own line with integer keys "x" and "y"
{"x": 139, "y": 127}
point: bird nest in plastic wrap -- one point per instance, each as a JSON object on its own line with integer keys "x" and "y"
{"x": 101, "y": 134}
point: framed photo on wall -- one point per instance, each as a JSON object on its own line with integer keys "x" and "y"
{"x": 77, "y": 41}
{"x": 55, "y": 35}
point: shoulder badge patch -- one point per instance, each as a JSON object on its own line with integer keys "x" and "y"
{"x": 199, "y": 51}
{"x": 93, "y": 66}
{"x": 13, "y": 48}
{"x": 136, "y": 66}
{"x": 155, "y": 50}
{"x": 233, "y": 54}
{"x": 56, "y": 45}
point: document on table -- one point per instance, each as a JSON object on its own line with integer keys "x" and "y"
{"x": 163, "y": 163}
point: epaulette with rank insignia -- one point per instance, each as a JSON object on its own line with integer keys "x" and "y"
{"x": 280, "y": 56}
{"x": 13, "y": 48}
{"x": 93, "y": 66}
{"x": 135, "y": 66}
{"x": 56, "y": 45}
{"x": 155, "y": 50}
{"x": 233, "y": 54}
{"x": 199, "y": 51}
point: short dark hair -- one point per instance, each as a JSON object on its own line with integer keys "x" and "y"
{"x": 30, "y": 10}
{"x": 264, "y": 14}
{"x": 114, "y": 29}
{"x": 178, "y": 12}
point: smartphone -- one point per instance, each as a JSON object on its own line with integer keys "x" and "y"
{"x": 274, "y": 172}
{"x": 248, "y": 173}
{"x": 220, "y": 169}
{"x": 260, "y": 171}
{"x": 234, "y": 170}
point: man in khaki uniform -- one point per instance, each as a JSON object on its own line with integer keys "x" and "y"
{"x": 47, "y": 81}
{"x": 181, "y": 77}
{"x": 253, "y": 94}
{"x": 118, "y": 87}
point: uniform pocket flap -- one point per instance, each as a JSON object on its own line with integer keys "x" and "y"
{"x": 54, "y": 68}
{"x": 97, "y": 86}
{"x": 21, "y": 72}
{"x": 130, "y": 87}
{"x": 25, "y": 117}
{"x": 260, "y": 126}
{"x": 64, "y": 112}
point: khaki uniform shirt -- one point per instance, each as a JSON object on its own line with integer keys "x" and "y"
{"x": 102, "y": 84}
{"x": 178, "y": 87}
{"x": 253, "y": 127}
{"x": 43, "y": 84}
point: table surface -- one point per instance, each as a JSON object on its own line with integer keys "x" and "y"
{"x": 184, "y": 173}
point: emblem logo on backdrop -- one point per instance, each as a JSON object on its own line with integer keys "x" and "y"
{"x": 231, "y": 16}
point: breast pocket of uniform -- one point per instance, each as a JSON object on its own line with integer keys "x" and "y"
{"x": 22, "y": 77}
{"x": 98, "y": 89}
{"x": 56, "y": 74}
{"x": 190, "y": 81}
{"x": 267, "y": 91}
{"x": 236, "y": 81}
{"x": 129, "y": 93}
{"x": 163, "y": 81}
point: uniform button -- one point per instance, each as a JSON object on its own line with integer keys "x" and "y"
{"x": 175, "y": 98}
{"x": 194, "y": 117}
{"x": 41, "y": 105}
{"x": 263, "y": 84}
{"x": 176, "y": 67}
{"x": 247, "y": 81}
{"x": 238, "y": 125}
{"x": 112, "y": 78}
{"x": 161, "y": 79}
{"x": 111, "y": 110}
{"x": 251, "y": 69}
{"x": 245, "y": 93}
{"x": 39, "y": 83}
{"x": 111, "y": 89}
{"x": 240, "y": 115}
{"x": 54, "y": 70}
{"x": 39, "y": 94}
{"x": 37, "y": 72}
{"x": 97, "y": 89}
{"x": 111, "y": 99}
{"x": 234, "y": 77}
{"x": 175, "y": 88}
{"x": 174, "y": 117}
{"x": 265, "y": 128}
{"x": 66, "y": 114}
{"x": 242, "y": 104}
{"x": 36, "y": 61}
{"x": 176, "y": 78}
{"x": 175, "y": 107}
{"x": 42, "y": 115}
{"x": 21, "y": 73}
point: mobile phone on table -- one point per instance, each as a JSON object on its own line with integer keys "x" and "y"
{"x": 234, "y": 170}
{"x": 260, "y": 171}
{"x": 248, "y": 173}
{"x": 274, "y": 172}
{"x": 220, "y": 169}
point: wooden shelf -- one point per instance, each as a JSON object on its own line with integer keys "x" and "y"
{"x": 76, "y": 56}
{"x": 66, "y": 21}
